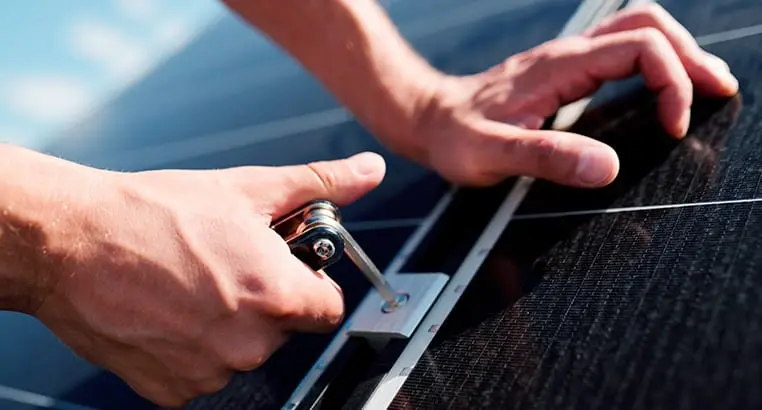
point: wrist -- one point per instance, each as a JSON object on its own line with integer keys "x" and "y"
{"x": 42, "y": 210}
{"x": 402, "y": 126}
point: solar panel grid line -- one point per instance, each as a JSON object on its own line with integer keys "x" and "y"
{"x": 575, "y": 288}
{"x": 661, "y": 292}
{"x": 729, "y": 277}
{"x": 599, "y": 353}
{"x": 719, "y": 293}
{"x": 571, "y": 303}
{"x": 649, "y": 280}
{"x": 729, "y": 35}
{"x": 682, "y": 299}
{"x": 15, "y": 395}
{"x": 545, "y": 215}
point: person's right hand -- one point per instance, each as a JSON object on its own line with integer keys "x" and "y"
{"x": 173, "y": 280}
{"x": 482, "y": 128}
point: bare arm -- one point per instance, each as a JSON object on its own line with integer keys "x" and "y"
{"x": 36, "y": 197}
{"x": 357, "y": 53}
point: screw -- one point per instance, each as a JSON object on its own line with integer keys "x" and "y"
{"x": 399, "y": 300}
{"x": 324, "y": 249}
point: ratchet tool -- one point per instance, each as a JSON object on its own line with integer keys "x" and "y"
{"x": 315, "y": 235}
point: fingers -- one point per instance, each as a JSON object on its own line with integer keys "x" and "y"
{"x": 341, "y": 181}
{"x": 300, "y": 299}
{"x": 564, "y": 158}
{"x": 617, "y": 55}
{"x": 710, "y": 74}
{"x": 285, "y": 188}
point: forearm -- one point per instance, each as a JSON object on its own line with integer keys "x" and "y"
{"x": 35, "y": 219}
{"x": 354, "y": 49}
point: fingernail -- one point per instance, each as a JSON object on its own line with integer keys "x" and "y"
{"x": 717, "y": 62}
{"x": 596, "y": 165}
{"x": 685, "y": 123}
{"x": 367, "y": 163}
{"x": 722, "y": 68}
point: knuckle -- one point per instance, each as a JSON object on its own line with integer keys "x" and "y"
{"x": 211, "y": 386}
{"x": 280, "y": 298}
{"x": 285, "y": 311}
{"x": 171, "y": 401}
{"x": 327, "y": 178}
{"x": 574, "y": 45}
{"x": 649, "y": 13}
{"x": 650, "y": 37}
{"x": 544, "y": 151}
{"x": 334, "y": 314}
{"x": 244, "y": 360}
{"x": 552, "y": 50}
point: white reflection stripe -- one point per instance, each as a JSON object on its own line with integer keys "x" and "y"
{"x": 38, "y": 400}
{"x": 226, "y": 140}
{"x": 729, "y": 35}
{"x": 631, "y": 209}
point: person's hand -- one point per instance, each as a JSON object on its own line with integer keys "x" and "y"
{"x": 480, "y": 129}
{"x": 173, "y": 280}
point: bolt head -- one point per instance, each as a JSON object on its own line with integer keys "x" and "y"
{"x": 324, "y": 249}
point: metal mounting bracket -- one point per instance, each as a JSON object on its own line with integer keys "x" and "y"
{"x": 372, "y": 321}
{"x": 393, "y": 309}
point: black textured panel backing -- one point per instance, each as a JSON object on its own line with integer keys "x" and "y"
{"x": 649, "y": 309}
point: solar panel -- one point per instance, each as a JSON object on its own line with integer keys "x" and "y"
{"x": 641, "y": 294}
{"x": 644, "y": 294}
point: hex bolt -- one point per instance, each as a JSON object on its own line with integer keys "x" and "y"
{"x": 324, "y": 248}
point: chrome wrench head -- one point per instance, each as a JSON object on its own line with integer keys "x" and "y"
{"x": 315, "y": 235}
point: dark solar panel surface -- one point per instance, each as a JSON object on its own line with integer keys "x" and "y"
{"x": 636, "y": 309}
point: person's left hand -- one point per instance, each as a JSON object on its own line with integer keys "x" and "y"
{"x": 480, "y": 129}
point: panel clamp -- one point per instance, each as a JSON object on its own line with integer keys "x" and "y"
{"x": 315, "y": 235}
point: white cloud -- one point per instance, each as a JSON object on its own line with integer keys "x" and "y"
{"x": 48, "y": 98}
{"x": 141, "y": 10}
{"x": 124, "y": 58}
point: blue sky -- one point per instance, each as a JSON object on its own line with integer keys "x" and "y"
{"x": 61, "y": 58}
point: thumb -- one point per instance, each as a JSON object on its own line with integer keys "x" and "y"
{"x": 561, "y": 157}
{"x": 341, "y": 181}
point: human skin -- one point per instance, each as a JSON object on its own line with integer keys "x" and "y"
{"x": 148, "y": 276}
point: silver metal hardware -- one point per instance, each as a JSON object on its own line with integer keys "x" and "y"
{"x": 392, "y": 271}
{"x": 324, "y": 248}
{"x": 316, "y": 236}
{"x": 374, "y": 320}
{"x": 371, "y": 272}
